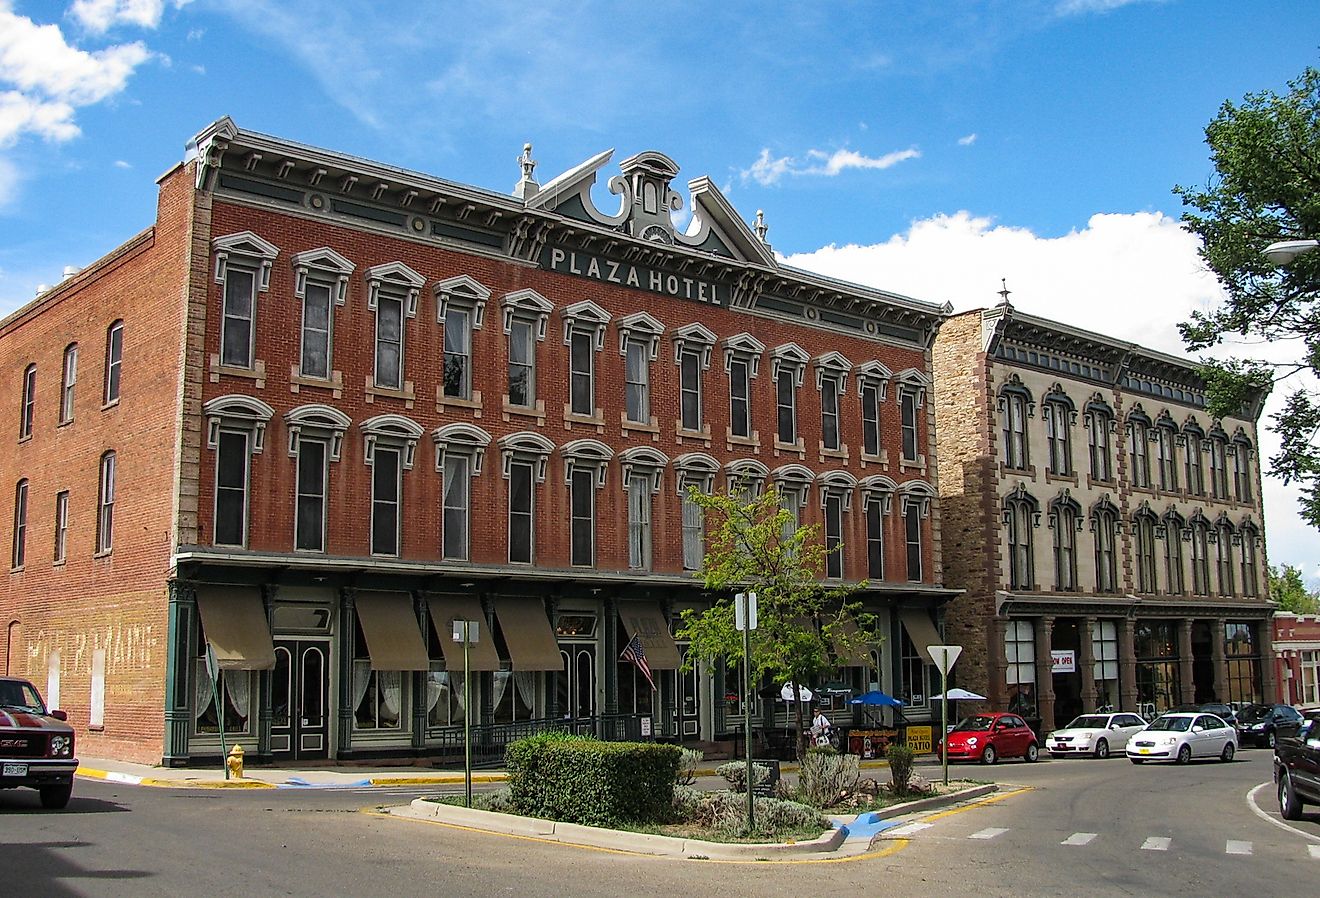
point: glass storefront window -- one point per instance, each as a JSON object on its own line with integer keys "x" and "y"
{"x": 1159, "y": 686}
{"x": 1020, "y": 667}
{"x": 1242, "y": 655}
{"x": 1104, "y": 649}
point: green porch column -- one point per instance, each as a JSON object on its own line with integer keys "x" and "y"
{"x": 347, "y": 623}
{"x": 610, "y": 649}
{"x": 422, "y": 611}
{"x": 266, "y": 679}
{"x": 182, "y": 634}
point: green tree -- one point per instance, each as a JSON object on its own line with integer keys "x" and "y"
{"x": 1288, "y": 590}
{"x": 1266, "y": 188}
{"x": 754, "y": 544}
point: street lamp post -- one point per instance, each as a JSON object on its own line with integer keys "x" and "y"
{"x": 745, "y": 620}
{"x": 1285, "y": 251}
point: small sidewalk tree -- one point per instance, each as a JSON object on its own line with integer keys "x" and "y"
{"x": 753, "y": 544}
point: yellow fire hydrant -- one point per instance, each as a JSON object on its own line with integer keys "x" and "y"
{"x": 235, "y": 762}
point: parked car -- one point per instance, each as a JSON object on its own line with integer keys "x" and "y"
{"x": 1181, "y": 737}
{"x": 1297, "y": 768}
{"x": 1094, "y": 734}
{"x": 1264, "y": 724}
{"x": 989, "y": 737}
{"x": 36, "y": 746}
{"x": 1221, "y": 710}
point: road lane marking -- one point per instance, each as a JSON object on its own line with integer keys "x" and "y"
{"x": 1273, "y": 819}
{"x": 1156, "y": 843}
{"x": 1235, "y": 847}
{"x": 908, "y": 829}
{"x": 1079, "y": 839}
{"x": 988, "y": 833}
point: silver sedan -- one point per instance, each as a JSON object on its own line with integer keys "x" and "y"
{"x": 1181, "y": 737}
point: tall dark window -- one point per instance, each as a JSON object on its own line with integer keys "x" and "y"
{"x": 1144, "y": 526}
{"x": 316, "y": 330}
{"x": 912, "y": 521}
{"x": 19, "y": 555}
{"x": 639, "y": 522}
{"x": 829, "y": 412}
{"x": 870, "y": 419}
{"x": 1138, "y": 451}
{"x": 458, "y": 352}
{"x": 694, "y": 534}
{"x": 1065, "y": 547}
{"x": 875, "y": 540}
{"x": 522, "y": 363}
{"x": 583, "y": 485}
{"x": 1021, "y": 548}
{"x": 1224, "y": 559}
{"x": 740, "y": 423}
{"x": 1098, "y": 427}
{"x": 114, "y": 357}
{"x": 1173, "y": 555}
{"x": 68, "y": 383}
{"x": 61, "y": 525}
{"x": 1219, "y": 467}
{"x": 582, "y": 391}
{"x": 907, "y": 400}
{"x": 457, "y": 506}
{"x": 833, "y": 536}
{"x": 389, "y": 341}
{"x": 1200, "y": 558}
{"x": 520, "y": 513}
{"x": 786, "y": 406}
{"x": 105, "y": 508}
{"x": 1241, "y": 453}
{"x": 29, "y": 402}
{"x": 309, "y": 527}
{"x": 385, "y": 470}
{"x": 1058, "y": 438}
{"x": 1105, "y": 526}
{"x": 637, "y": 381}
{"x": 1166, "y": 457}
{"x": 1017, "y": 453}
{"x": 231, "y": 470}
{"x": 689, "y": 389}
{"x": 1195, "y": 477}
{"x": 237, "y": 331}
{"x": 1250, "y": 585}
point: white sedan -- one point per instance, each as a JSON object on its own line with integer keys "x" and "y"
{"x": 1094, "y": 734}
{"x": 1181, "y": 737}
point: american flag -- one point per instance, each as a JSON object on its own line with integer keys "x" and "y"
{"x": 634, "y": 652}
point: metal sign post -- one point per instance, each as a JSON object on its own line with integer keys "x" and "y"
{"x": 467, "y": 632}
{"x": 213, "y": 668}
{"x": 745, "y": 620}
{"x": 943, "y": 657}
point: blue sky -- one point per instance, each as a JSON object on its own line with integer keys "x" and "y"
{"x": 927, "y": 148}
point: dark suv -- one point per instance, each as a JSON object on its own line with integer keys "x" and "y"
{"x": 1219, "y": 709}
{"x": 36, "y": 747}
{"x": 1264, "y": 724}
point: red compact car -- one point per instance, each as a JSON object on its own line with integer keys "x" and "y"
{"x": 989, "y": 737}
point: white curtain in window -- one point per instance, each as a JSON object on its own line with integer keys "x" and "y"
{"x": 391, "y": 688}
{"x": 361, "y": 680}
{"x": 435, "y": 687}
{"x": 502, "y": 678}
{"x": 456, "y": 684}
{"x": 238, "y": 685}
{"x": 202, "y": 696}
{"x": 525, "y": 681}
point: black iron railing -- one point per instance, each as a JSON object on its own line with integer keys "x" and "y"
{"x": 489, "y": 741}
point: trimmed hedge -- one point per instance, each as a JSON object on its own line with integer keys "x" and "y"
{"x": 578, "y": 779}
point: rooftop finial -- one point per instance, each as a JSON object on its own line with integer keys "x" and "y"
{"x": 761, "y": 227}
{"x": 1004, "y": 291}
{"x": 527, "y": 186}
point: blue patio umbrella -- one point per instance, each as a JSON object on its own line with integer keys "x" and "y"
{"x": 876, "y": 698}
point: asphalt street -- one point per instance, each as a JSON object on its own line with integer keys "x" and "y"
{"x": 1064, "y": 827}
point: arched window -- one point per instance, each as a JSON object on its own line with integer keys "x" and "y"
{"x": 1194, "y": 437}
{"x": 1241, "y": 453}
{"x": 1021, "y": 516}
{"x": 1250, "y": 575}
{"x": 1015, "y": 407}
{"x": 68, "y": 381}
{"x": 1174, "y": 527}
{"x": 1099, "y": 442}
{"x": 1059, "y": 414}
{"x": 25, "y": 410}
{"x": 460, "y": 450}
{"x": 1226, "y": 537}
{"x": 1166, "y": 452}
{"x": 1138, "y": 428}
{"x": 1104, "y": 526}
{"x": 105, "y": 509}
{"x": 1218, "y": 443}
{"x": 19, "y": 555}
{"x": 114, "y": 357}
{"x": 1145, "y": 527}
{"x": 1066, "y": 521}
{"x": 585, "y": 464}
{"x": 1200, "y": 555}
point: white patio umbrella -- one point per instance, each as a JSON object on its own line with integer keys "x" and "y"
{"x": 958, "y": 695}
{"x": 803, "y": 693}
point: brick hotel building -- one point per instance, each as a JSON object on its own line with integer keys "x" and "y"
{"x": 324, "y": 407}
{"x": 1106, "y": 529}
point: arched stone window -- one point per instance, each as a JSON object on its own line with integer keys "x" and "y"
{"x": 1021, "y": 518}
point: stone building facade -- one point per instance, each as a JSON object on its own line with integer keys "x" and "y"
{"x": 274, "y": 446}
{"x": 1106, "y": 529}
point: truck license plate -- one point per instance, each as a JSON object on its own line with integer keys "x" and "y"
{"x": 14, "y": 770}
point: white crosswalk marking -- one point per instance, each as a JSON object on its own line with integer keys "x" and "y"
{"x": 1079, "y": 839}
{"x": 1156, "y": 843}
{"x": 988, "y": 833}
{"x": 1315, "y": 851}
{"x": 909, "y": 829}
{"x": 1235, "y": 847}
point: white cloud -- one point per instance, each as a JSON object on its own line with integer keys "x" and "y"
{"x": 1082, "y": 7}
{"x": 768, "y": 170}
{"x": 98, "y": 16}
{"x": 120, "y": 163}
{"x": 967, "y": 141}
{"x": 20, "y": 114}
{"x": 36, "y": 59}
{"x": 9, "y": 182}
{"x": 1132, "y": 276}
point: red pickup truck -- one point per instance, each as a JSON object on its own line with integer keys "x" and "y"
{"x": 36, "y": 746}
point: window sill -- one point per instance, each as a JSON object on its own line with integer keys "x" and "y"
{"x": 913, "y": 464}
{"x": 334, "y": 383}
{"x": 106, "y": 406}
{"x": 840, "y": 454}
{"x": 59, "y": 563}
{"x": 1028, "y": 471}
{"x": 443, "y": 402}
{"x": 104, "y": 553}
{"x": 16, "y": 570}
{"x": 100, "y": 728}
{"x": 1111, "y": 483}
{"x": 63, "y": 424}
{"x": 627, "y": 426}
{"x": 536, "y": 411}
{"x": 697, "y": 436}
{"x": 753, "y": 441}
{"x": 797, "y": 447}
{"x": 256, "y": 373}
{"x": 596, "y": 420}
{"x": 1061, "y": 478}
{"x": 26, "y": 439}
{"x": 882, "y": 459}
{"x": 373, "y": 392}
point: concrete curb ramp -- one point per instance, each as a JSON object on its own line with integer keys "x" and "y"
{"x": 846, "y": 838}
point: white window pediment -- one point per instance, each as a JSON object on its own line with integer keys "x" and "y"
{"x": 836, "y": 483}
{"x": 788, "y": 357}
{"x": 248, "y": 247}
{"x": 914, "y": 381}
{"x": 590, "y": 455}
{"x": 460, "y": 439}
{"x": 793, "y": 479}
{"x": 835, "y": 366}
{"x": 237, "y": 411}
{"x": 696, "y": 468}
{"x": 528, "y": 446}
{"x": 319, "y": 419}
{"x": 746, "y": 473}
{"x": 696, "y": 338}
{"x": 643, "y": 327}
{"x": 875, "y": 374}
{"x": 585, "y": 316}
{"x": 919, "y": 493}
{"x": 527, "y": 304}
{"x": 396, "y": 277}
{"x": 879, "y": 489}
{"x": 643, "y": 460}
{"x": 325, "y": 263}
{"x": 746, "y": 347}
{"x": 464, "y": 291}
{"x": 392, "y": 430}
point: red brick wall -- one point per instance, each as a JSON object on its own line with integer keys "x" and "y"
{"x": 277, "y": 344}
{"x": 116, "y": 603}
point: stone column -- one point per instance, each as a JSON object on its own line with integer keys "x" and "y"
{"x": 1268, "y": 669}
{"x": 347, "y": 622}
{"x": 486, "y": 679}
{"x": 418, "y": 677}
{"x": 1127, "y": 665}
{"x": 1086, "y": 662}
{"x": 996, "y": 688}
{"x": 182, "y": 633}
{"x": 1186, "y": 687}
{"x": 1044, "y": 675}
{"x": 609, "y": 646}
{"x": 1219, "y": 658}
{"x": 265, "y": 679}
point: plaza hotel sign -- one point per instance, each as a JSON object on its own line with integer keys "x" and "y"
{"x": 639, "y": 277}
